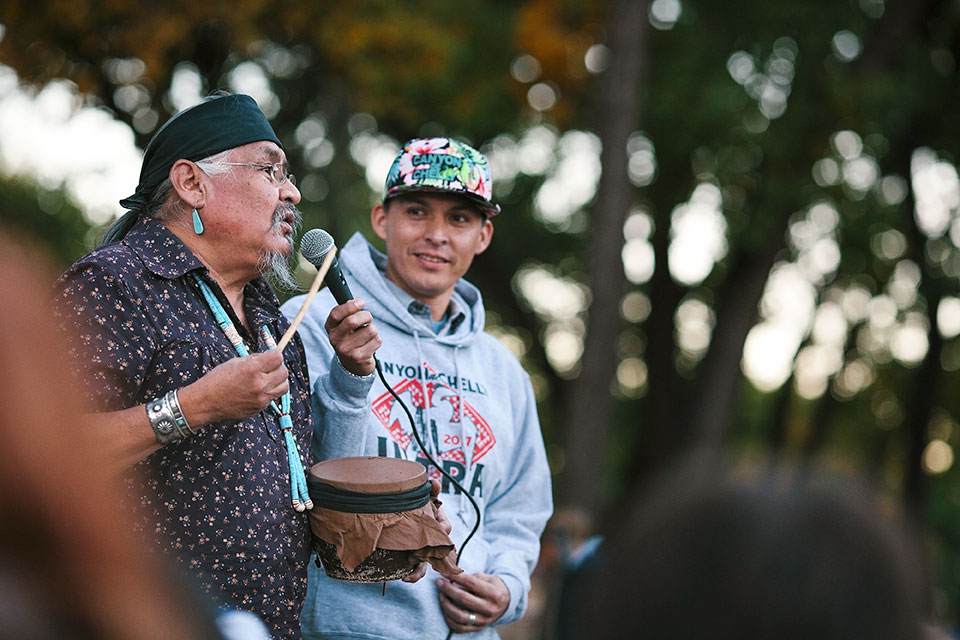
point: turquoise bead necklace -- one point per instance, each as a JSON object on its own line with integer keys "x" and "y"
{"x": 298, "y": 479}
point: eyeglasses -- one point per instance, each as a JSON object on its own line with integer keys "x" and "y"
{"x": 278, "y": 171}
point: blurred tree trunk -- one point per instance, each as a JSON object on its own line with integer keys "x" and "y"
{"x": 589, "y": 409}
{"x": 920, "y": 401}
{"x": 780, "y": 415}
{"x": 719, "y": 376}
{"x": 660, "y": 430}
{"x": 905, "y": 21}
{"x": 684, "y": 414}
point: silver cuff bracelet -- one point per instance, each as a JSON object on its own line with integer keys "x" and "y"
{"x": 166, "y": 418}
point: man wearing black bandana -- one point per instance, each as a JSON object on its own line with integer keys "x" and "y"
{"x": 171, "y": 325}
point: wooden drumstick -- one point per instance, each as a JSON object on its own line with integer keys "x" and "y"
{"x": 314, "y": 287}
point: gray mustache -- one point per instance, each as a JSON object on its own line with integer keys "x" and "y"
{"x": 281, "y": 211}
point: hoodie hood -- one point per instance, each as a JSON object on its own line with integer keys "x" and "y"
{"x": 364, "y": 268}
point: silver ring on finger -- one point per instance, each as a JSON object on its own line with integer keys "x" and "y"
{"x": 471, "y": 619}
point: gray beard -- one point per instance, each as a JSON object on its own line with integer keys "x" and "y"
{"x": 277, "y": 267}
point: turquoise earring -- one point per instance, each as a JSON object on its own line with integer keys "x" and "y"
{"x": 197, "y": 223}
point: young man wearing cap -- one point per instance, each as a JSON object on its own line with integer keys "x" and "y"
{"x": 472, "y": 402}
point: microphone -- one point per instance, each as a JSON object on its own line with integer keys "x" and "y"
{"x": 314, "y": 247}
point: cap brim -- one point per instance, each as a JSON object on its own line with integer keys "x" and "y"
{"x": 486, "y": 207}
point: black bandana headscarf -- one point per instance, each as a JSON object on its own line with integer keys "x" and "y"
{"x": 201, "y": 131}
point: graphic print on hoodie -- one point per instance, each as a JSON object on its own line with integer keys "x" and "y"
{"x": 449, "y": 443}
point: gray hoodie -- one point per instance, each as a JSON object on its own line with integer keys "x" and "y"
{"x": 477, "y": 418}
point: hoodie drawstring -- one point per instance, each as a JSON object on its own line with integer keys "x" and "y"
{"x": 427, "y": 416}
{"x": 467, "y": 443}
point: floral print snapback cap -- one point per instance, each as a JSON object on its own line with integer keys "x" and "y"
{"x": 442, "y": 165}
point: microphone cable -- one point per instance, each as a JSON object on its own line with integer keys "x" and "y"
{"x": 423, "y": 449}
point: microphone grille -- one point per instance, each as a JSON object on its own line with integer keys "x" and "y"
{"x": 315, "y": 245}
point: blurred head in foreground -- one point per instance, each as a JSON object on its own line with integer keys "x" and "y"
{"x": 768, "y": 556}
{"x": 70, "y": 566}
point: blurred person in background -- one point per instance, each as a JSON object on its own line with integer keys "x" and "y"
{"x": 786, "y": 555}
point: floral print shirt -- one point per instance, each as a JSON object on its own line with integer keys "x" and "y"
{"x": 219, "y": 501}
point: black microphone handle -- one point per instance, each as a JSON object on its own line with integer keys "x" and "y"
{"x": 337, "y": 284}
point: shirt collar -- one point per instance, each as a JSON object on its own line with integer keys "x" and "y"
{"x": 161, "y": 251}
{"x": 421, "y": 311}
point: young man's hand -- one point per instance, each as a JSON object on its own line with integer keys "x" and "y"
{"x": 421, "y": 568}
{"x": 470, "y": 602}
{"x": 353, "y": 337}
